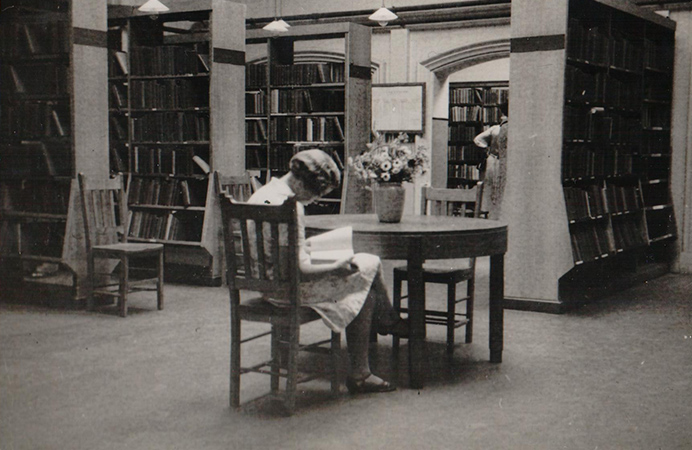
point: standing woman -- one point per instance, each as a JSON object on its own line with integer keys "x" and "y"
{"x": 494, "y": 140}
{"x": 349, "y": 293}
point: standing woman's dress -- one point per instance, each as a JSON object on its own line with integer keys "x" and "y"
{"x": 336, "y": 298}
{"x": 496, "y": 172}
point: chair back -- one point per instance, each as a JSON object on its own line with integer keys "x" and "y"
{"x": 261, "y": 247}
{"x": 240, "y": 187}
{"x": 452, "y": 202}
{"x": 104, "y": 212}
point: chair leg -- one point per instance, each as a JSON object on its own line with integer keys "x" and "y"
{"x": 396, "y": 304}
{"x": 470, "y": 286}
{"x": 124, "y": 284}
{"x": 276, "y": 358}
{"x": 292, "y": 375}
{"x": 159, "y": 282}
{"x": 234, "y": 382}
{"x": 451, "y": 315}
{"x": 91, "y": 283}
{"x": 335, "y": 353}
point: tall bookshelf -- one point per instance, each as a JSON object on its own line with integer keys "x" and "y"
{"x": 53, "y": 124}
{"x": 605, "y": 196}
{"x": 176, "y": 114}
{"x": 473, "y": 108}
{"x": 295, "y": 103}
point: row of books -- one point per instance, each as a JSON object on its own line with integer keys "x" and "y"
{"x": 173, "y": 226}
{"x": 465, "y": 153}
{"x": 593, "y": 43}
{"x": 655, "y": 143}
{"x": 171, "y": 127}
{"x": 579, "y": 162}
{"x": 475, "y": 113}
{"x": 656, "y": 116}
{"x": 602, "y": 89}
{"x": 35, "y": 120}
{"x": 277, "y": 157}
{"x": 656, "y": 194}
{"x": 166, "y": 192}
{"x": 311, "y": 129}
{"x": 294, "y": 74}
{"x": 590, "y": 241}
{"x": 167, "y": 161}
{"x": 256, "y": 102}
{"x": 658, "y": 88}
{"x": 162, "y": 60}
{"x": 35, "y": 37}
{"x": 622, "y": 199}
{"x": 28, "y": 158}
{"x": 35, "y": 196}
{"x": 585, "y": 202}
{"x": 37, "y": 78}
{"x": 658, "y": 55}
{"x": 469, "y": 171}
{"x": 458, "y": 132}
{"x": 41, "y": 238}
{"x": 628, "y": 232}
{"x": 478, "y": 95}
{"x": 660, "y": 223}
{"x": 164, "y": 94}
{"x": 598, "y": 125}
{"x": 307, "y": 100}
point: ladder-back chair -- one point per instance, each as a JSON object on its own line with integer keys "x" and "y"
{"x": 104, "y": 212}
{"x": 449, "y": 202}
{"x": 261, "y": 244}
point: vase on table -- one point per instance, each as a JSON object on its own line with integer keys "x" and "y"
{"x": 389, "y": 201}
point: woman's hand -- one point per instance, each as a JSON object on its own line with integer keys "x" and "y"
{"x": 341, "y": 267}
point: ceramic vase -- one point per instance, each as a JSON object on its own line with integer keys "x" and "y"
{"x": 389, "y": 202}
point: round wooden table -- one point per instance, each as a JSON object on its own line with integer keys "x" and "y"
{"x": 416, "y": 239}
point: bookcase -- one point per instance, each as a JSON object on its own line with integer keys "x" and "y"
{"x": 176, "y": 114}
{"x": 295, "y": 103}
{"x": 607, "y": 218}
{"x": 473, "y": 108}
{"x": 53, "y": 124}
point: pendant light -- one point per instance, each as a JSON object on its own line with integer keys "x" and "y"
{"x": 277, "y": 25}
{"x": 383, "y": 16}
{"x": 153, "y": 6}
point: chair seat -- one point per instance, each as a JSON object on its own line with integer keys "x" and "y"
{"x": 257, "y": 309}
{"x": 442, "y": 275}
{"x": 128, "y": 248}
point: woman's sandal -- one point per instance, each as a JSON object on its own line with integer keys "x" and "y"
{"x": 364, "y": 386}
{"x": 400, "y": 328}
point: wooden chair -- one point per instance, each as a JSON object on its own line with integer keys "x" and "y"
{"x": 451, "y": 202}
{"x": 104, "y": 212}
{"x": 261, "y": 244}
{"x": 240, "y": 187}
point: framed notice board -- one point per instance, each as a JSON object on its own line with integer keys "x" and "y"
{"x": 398, "y": 107}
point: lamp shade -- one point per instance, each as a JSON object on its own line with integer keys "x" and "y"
{"x": 276, "y": 26}
{"x": 383, "y": 16}
{"x": 153, "y": 6}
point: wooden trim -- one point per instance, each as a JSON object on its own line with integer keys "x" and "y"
{"x": 92, "y": 38}
{"x": 226, "y": 56}
{"x": 538, "y": 43}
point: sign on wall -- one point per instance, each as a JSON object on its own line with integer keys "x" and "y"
{"x": 398, "y": 107}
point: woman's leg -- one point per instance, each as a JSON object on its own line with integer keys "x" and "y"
{"x": 358, "y": 338}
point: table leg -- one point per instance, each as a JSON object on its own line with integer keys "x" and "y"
{"x": 416, "y": 308}
{"x": 497, "y": 295}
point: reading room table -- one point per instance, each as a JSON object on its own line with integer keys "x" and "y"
{"x": 419, "y": 238}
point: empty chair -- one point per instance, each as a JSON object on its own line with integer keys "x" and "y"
{"x": 104, "y": 212}
{"x": 450, "y": 202}
{"x": 261, "y": 244}
{"x": 240, "y": 187}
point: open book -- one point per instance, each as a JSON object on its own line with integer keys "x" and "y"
{"x": 331, "y": 246}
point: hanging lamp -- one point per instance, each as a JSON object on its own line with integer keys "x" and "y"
{"x": 383, "y": 16}
{"x": 277, "y": 25}
{"x": 153, "y": 6}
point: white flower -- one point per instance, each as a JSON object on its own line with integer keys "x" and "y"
{"x": 385, "y": 176}
{"x": 386, "y": 166}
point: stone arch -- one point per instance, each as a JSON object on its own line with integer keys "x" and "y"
{"x": 444, "y": 64}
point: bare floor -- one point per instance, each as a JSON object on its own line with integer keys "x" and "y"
{"x": 614, "y": 374}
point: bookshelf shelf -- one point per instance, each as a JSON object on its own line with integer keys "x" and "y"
{"x": 294, "y": 104}
{"x": 175, "y": 107}
{"x": 473, "y": 107}
{"x": 613, "y": 118}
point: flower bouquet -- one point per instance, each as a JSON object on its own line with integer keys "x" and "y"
{"x": 386, "y": 164}
{"x": 390, "y": 162}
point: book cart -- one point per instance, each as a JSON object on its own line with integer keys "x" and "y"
{"x": 295, "y": 101}
{"x": 589, "y": 201}
{"x": 176, "y": 115}
{"x": 53, "y": 110}
{"x": 473, "y": 108}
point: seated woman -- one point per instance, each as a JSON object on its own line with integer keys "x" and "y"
{"x": 349, "y": 293}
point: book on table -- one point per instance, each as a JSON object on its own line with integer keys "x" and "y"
{"x": 331, "y": 246}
